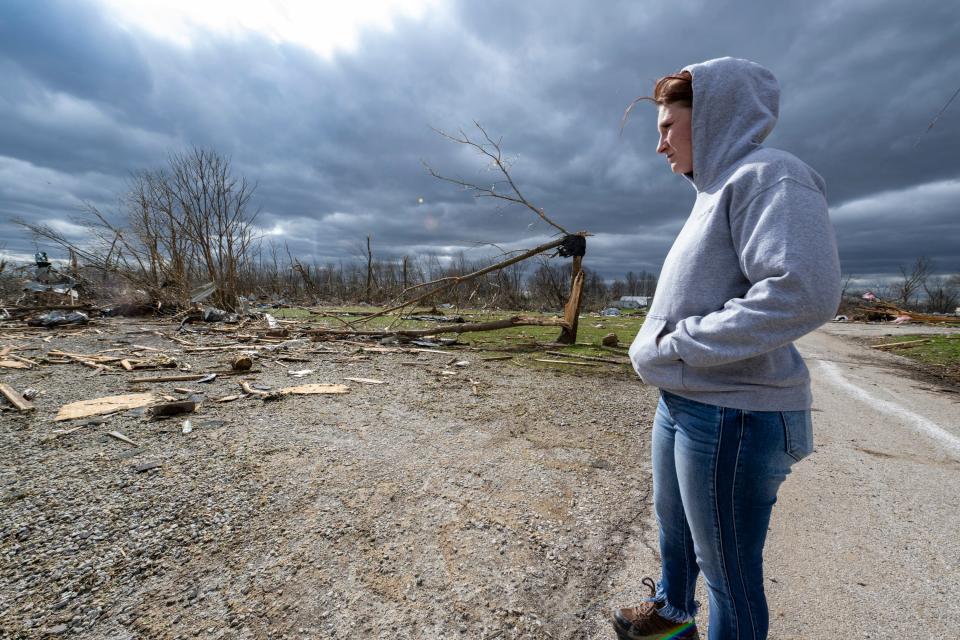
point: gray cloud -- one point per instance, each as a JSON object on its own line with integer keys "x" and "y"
{"x": 335, "y": 145}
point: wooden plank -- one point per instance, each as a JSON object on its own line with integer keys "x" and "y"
{"x": 313, "y": 389}
{"x": 894, "y": 345}
{"x": 15, "y": 398}
{"x": 181, "y": 378}
{"x": 100, "y": 406}
{"x": 13, "y": 364}
{"x": 24, "y": 360}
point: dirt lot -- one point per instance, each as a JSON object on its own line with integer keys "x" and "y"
{"x": 491, "y": 503}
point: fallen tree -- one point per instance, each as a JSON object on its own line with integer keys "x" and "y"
{"x": 569, "y": 245}
{"x": 458, "y": 328}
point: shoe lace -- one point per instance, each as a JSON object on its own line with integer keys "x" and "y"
{"x": 650, "y": 584}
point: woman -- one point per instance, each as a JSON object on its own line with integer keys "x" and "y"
{"x": 754, "y": 268}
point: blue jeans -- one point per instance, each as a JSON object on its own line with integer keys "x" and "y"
{"x": 716, "y": 472}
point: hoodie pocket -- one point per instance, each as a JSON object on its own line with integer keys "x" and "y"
{"x": 798, "y": 431}
{"x": 653, "y": 368}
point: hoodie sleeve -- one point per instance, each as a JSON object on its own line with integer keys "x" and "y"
{"x": 787, "y": 250}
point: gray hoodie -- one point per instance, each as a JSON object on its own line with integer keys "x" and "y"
{"x": 755, "y": 266}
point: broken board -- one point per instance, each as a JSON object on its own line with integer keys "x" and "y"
{"x": 107, "y": 404}
{"x": 17, "y": 400}
{"x": 311, "y": 389}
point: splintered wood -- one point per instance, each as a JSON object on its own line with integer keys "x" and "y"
{"x": 313, "y": 389}
{"x": 107, "y": 404}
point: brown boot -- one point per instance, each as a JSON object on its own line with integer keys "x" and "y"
{"x": 644, "y": 622}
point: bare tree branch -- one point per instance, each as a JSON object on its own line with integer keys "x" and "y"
{"x": 492, "y": 150}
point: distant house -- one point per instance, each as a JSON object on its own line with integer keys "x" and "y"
{"x": 632, "y": 302}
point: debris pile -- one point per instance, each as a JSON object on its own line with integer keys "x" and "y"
{"x": 874, "y": 309}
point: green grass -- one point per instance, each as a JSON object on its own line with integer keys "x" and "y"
{"x": 943, "y": 350}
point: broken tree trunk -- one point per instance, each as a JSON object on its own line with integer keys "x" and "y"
{"x": 452, "y": 281}
{"x": 515, "y": 321}
{"x": 571, "y": 311}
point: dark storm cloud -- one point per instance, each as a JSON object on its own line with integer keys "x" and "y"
{"x": 335, "y": 144}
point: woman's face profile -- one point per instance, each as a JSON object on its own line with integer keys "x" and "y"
{"x": 673, "y": 122}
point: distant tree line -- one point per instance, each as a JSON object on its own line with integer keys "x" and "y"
{"x": 192, "y": 222}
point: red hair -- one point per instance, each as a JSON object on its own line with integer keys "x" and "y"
{"x": 676, "y": 88}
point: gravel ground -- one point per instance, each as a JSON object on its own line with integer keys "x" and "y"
{"x": 493, "y": 503}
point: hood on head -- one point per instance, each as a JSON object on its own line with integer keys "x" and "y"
{"x": 735, "y": 107}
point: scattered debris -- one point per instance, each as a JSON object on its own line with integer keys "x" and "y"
{"x": 493, "y": 358}
{"x": 101, "y": 406}
{"x": 17, "y": 400}
{"x": 880, "y": 310}
{"x": 241, "y": 363}
{"x": 147, "y": 466}
{"x": 249, "y": 390}
{"x": 174, "y": 408}
{"x": 212, "y": 314}
{"x": 58, "y": 318}
{"x": 365, "y": 380}
{"x": 186, "y": 427}
{"x": 610, "y": 340}
{"x": 611, "y": 311}
{"x": 301, "y": 373}
{"x": 122, "y": 438}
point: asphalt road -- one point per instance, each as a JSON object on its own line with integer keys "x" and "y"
{"x": 865, "y": 538}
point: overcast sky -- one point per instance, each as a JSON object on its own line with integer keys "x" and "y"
{"x": 330, "y": 111}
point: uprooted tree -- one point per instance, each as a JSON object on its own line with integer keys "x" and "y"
{"x": 568, "y": 245}
{"x": 186, "y": 223}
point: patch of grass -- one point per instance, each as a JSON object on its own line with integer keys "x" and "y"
{"x": 942, "y": 350}
{"x": 524, "y": 343}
